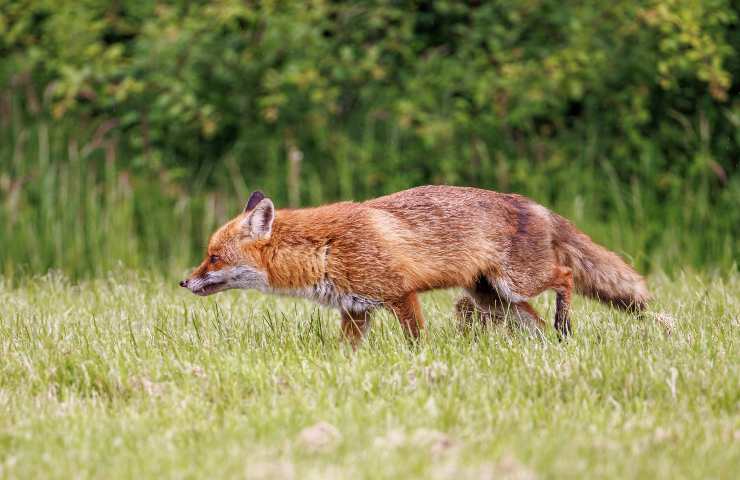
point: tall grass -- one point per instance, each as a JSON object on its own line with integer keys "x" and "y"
{"x": 71, "y": 198}
{"x": 68, "y": 203}
{"x": 128, "y": 376}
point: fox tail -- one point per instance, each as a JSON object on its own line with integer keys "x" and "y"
{"x": 597, "y": 272}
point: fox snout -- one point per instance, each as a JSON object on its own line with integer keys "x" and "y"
{"x": 205, "y": 284}
{"x": 187, "y": 283}
{"x": 213, "y": 281}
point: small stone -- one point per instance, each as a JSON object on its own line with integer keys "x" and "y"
{"x": 437, "y": 442}
{"x": 320, "y": 437}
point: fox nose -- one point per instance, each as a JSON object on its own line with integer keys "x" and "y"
{"x": 184, "y": 283}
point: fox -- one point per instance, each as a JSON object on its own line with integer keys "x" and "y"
{"x": 501, "y": 249}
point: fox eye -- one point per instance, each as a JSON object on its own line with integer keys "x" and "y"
{"x": 213, "y": 259}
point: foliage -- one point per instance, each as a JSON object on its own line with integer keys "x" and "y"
{"x": 624, "y": 112}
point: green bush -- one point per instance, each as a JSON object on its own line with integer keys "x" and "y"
{"x": 624, "y": 115}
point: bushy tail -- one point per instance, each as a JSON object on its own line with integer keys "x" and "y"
{"x": 597, "y": 272}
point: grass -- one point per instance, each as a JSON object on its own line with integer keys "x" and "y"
{"x": 73, "y": 200}
{"x": 128, "y": 376}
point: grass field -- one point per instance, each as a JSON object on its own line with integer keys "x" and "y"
{"x": 132, "y": 377}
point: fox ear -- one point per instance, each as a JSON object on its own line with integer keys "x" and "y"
{"x": 258, "y": 223}
{"x": 255, "y": 198}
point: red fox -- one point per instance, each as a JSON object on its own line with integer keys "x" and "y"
{"x": 502, "y": 249}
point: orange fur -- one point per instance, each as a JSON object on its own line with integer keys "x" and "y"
{"x": 502, "y": 248}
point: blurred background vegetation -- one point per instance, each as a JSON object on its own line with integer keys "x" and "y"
{"x": 129, "y": 129}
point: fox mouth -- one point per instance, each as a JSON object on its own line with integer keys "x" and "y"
{"x": 238, "y": 276}
{"x": 210, "y": 288}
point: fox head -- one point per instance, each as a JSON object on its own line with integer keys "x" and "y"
{"x": 233, "y": 258}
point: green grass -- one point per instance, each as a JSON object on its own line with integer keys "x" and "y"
{"x": 68, "y": 205}
{"x": 132, "y": 377}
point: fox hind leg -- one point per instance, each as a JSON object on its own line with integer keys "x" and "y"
{"x": 465, "y": 311}
{"x": 562, "y": 283}
{"x": 487, "y": 311}
{"x": 492, "y": 307}
{"x": 528, "y": 317}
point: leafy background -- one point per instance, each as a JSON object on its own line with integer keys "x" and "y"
{"x": 129, "y": 129}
